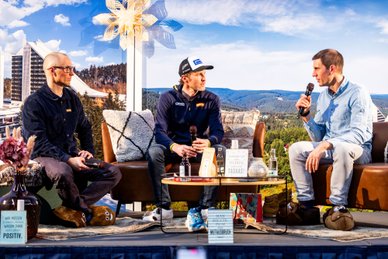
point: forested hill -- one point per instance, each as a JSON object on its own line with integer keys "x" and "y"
{"x": 112, "y": 79}
{"x": 269, "y": 101}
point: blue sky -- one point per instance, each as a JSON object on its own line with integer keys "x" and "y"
{"x": 253, "y": 44}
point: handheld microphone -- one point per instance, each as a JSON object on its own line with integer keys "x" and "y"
{"x": 309, "y": 90}
{"x": 193, "y": 132}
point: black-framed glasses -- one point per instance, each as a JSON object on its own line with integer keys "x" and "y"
{"x": 67, "y": 69}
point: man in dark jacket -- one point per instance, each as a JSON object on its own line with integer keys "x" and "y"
{"x": 187, "y": 104}
{"x": 54, "y": 114}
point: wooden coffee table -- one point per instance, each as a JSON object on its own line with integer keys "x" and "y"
{"x": 172, "y": 179}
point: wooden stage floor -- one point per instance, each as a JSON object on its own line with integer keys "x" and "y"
{"x": 154, "y": 243}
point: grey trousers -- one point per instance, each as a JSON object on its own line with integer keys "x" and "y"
{"x": 342, "y": 156}
{"x": 73, "y": 186}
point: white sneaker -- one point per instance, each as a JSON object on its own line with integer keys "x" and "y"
{"x": 204, "y": 213}
{"x": 155, "y": 215}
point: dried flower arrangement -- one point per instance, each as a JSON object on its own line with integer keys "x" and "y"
{"x": 15, "y": 152}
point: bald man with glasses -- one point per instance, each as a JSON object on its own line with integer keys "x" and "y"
{"x": 54, "y": 114}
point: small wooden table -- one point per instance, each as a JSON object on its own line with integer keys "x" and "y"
{"x": 222, "y": 180}
{"x": 172, "y": 179}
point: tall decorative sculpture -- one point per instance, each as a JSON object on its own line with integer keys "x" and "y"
{"x": 136, "y": 22}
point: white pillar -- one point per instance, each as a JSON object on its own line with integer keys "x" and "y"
{"x": 134, "y": 75}
{"x": 1, "y": 77}
{"x": 26, "y": 72}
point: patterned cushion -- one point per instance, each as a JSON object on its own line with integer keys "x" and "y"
{"x": 240, "y": 126}
{"x": 131, "y": 133}
{"x": 378, "y": 116}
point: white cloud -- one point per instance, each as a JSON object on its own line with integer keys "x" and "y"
{"x": 231, "y": 12}
{"x": 243, "y": 67}
{"x": 17, "y": 24}
{"x": 289, "y": 17}
{"x": 64, "y": 2}
{"x": 11, "y": 44}
{"x": 228, "y": 12}
{"x": 78, "y": 53}
{"x": 77, "y": 65}
{"x": 15, "y": 11}
{"x": 382, "y": 40}
{"x": 240, "y": 65}
{"x": 11, "y": 13}
{"x": 383, "y": 25}
{"x": 205, "y": 12}
{"x": 94, "y": 59}
{"x": 53, "y": 45}
{"x": 289, "y": 25}
{"x": 62, "y": 19}
{"x": 368, "y": 71}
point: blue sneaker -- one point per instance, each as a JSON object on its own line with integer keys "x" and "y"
{"x": 194, "y": 221}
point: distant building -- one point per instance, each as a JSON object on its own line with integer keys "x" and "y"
{"x": 1, "y": 77}
{"x": 28, "y": 75}
{"x": 9, "y": 117}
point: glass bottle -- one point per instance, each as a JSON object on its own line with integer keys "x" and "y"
{"x": 234, "y": 144}
{"x": 386, "y": 153}
{"x": 31, "y": 203}
{"x": 273, "y": 164}
{"x": 220, "y": 162}
{"x": 185, "y": 167}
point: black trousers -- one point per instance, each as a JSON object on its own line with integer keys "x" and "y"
{"x": 73, "y": 186}
{"x": 158, "y": 157}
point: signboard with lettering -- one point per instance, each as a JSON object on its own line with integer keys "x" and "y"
{"x": 236, "y": 163}
{"x": 208, "y": 167}
{"x": 220, "y": 226}
{"x": 13, "y": 227}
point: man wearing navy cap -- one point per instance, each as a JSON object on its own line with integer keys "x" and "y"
{"x": 187, "y": 104}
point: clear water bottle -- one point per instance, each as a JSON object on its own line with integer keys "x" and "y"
{"x": 273, "y": 164}
{"x": 386, "y": 153}
{"x": 185, "y": 167}
{"x": 220, "y": 162}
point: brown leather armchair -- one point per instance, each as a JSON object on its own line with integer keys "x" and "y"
{"x": 135, "y": 184}
{"x": 369, "y": 187}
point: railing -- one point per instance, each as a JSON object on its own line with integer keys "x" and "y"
{"x": 10, "y": 120}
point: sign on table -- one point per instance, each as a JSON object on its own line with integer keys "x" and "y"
{"x": 220, "y": 226}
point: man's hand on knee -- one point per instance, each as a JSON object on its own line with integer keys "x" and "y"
{"x": 77, "y": 163}
{"x": 312, "y": 162}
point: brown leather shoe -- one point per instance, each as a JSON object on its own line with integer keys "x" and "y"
{"x": 296, "y": 214}
{"x": 338, "y": 218}
{"x": 288, "y": 214}
{"x": 102, "y": 216}
{"x": 69, "y": 218}
{"x": 271, "y": 203}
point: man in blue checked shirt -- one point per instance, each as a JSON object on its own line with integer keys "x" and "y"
{"x": 341, "y": 134}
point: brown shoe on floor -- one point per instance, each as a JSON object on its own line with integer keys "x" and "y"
{"x": 295, "y": 214}
{"x": 271, "y": 203}
{"x": 338, "y": 218}
{"x": 69, "y": 218}
{"x": 102, "y": 216}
